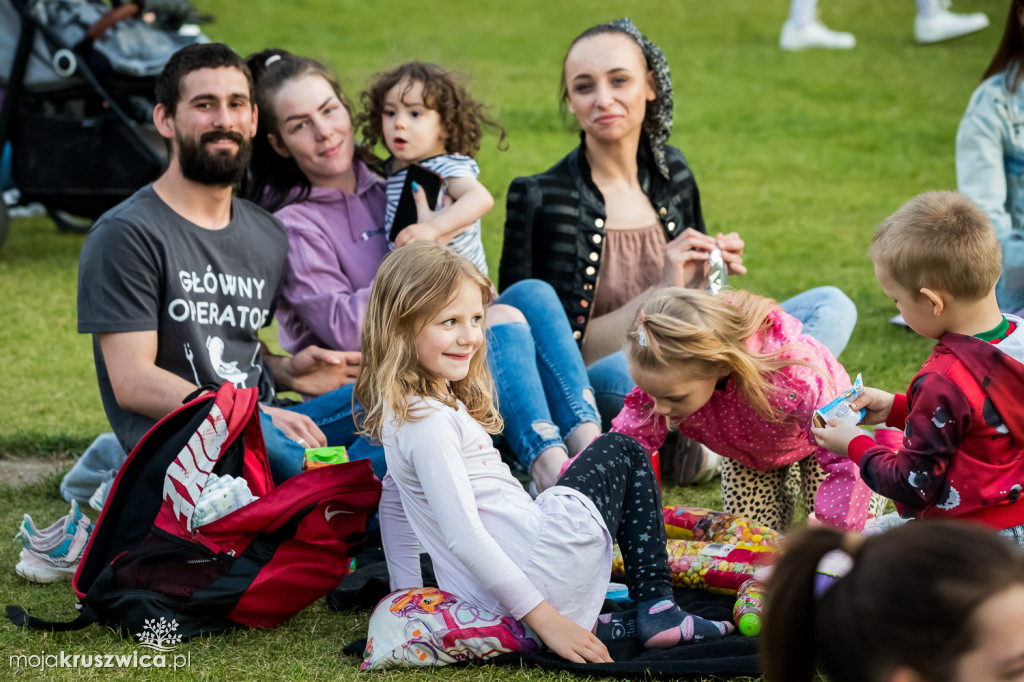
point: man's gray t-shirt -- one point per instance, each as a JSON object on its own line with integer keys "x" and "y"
{"x": 207, "y": 293}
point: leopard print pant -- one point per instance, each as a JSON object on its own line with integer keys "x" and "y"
{"x": 770, "y": 497}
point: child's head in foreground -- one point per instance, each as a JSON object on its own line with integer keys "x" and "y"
{"x": 937, "y": 253}
{"x": 930, "y": 601}
{"x": 419, "y": 110}
{"x": 685, "y": 341}
{"x": 423, "y": 335}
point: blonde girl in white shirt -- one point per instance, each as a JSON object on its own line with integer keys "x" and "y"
{"x": 428, "y": 397}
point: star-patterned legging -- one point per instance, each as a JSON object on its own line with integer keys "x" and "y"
{"x": 615, "y": 473}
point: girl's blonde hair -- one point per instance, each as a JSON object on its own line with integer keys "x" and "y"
{"x": 412, "y": 285}
{"x": 708, "y": 332}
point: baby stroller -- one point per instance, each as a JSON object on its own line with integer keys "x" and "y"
{"x": 76, "y": 86}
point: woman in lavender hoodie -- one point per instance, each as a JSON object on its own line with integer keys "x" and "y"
{"x": 309, "y": 172}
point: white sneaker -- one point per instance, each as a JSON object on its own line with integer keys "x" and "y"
{"x": 52, "y": 554}
{"x": 99, "y": 497}
{"x": 944, "y": 25}
{"x": 813, "y": 34}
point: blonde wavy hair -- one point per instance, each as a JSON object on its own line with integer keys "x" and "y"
{"x": 412, "y": 285}
{"x": 706, "y": 334}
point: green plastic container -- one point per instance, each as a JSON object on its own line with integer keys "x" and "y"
{"x": 319, "y": 457}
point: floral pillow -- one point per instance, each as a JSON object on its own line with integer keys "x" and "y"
{"x": 426, "y": 626}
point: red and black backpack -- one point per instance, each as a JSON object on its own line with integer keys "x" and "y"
{"x": 255, "y": 567}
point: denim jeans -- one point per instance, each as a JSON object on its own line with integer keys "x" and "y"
{"x": 332, "y": 412}
{"x": 612, "y": 383}
{"x": 826, "y": 312}
{"x": 97, "y": 465}
{"x": 541, "y": 383}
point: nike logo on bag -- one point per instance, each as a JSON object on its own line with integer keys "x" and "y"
{"x": 328, "y": 513}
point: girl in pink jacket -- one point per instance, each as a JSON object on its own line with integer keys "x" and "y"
{"x": 734, "y": 372}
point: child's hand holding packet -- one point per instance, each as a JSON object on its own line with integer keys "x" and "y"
{"x": 840, "y": 407}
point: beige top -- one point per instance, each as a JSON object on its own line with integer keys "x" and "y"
{"x": 633, "y": 262}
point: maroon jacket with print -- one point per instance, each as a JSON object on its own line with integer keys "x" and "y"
{"x": 963, "y": 438}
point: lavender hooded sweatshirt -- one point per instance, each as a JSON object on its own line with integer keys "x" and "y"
{"x": 336, "y": 242}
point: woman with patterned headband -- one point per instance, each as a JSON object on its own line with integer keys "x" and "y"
{"x": 621, "y": 214}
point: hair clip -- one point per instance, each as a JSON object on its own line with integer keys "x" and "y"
{"x": 641, "y": 333}
{"x": 271, "y": 59}
{"x": 832, "y": 566}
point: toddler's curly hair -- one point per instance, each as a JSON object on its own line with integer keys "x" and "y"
{"x": 462, "y": 117}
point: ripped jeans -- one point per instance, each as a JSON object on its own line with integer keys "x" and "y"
{"x": 543, "y": 390}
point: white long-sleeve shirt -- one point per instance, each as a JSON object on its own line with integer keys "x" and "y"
{"x": 490, "y": 542}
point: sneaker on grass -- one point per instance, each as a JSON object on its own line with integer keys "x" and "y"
{"x": 807, "y": 35}
{"x": 52, "y": 554}
{"x": 941, "y": 24}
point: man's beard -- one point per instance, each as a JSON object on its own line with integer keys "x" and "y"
{"x": 219, "y": 169}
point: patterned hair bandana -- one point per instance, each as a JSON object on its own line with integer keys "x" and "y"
{"x": 661, "y": 123}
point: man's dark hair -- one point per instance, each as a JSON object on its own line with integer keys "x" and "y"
{"x": 192, "y": 58}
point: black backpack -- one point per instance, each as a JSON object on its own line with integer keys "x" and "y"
{"x": 145, "y": 568}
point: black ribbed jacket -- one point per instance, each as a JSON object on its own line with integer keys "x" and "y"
{"x": 554, "y": 225}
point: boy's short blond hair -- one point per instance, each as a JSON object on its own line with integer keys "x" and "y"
{"x": 942, "y": 241}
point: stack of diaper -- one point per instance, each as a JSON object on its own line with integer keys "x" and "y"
{"x": 221, "y": 496}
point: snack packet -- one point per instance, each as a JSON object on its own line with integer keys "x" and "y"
{"x": 711, "y": 566}
{"x": 718, "y": 272}
{"x": 840, "y": 407}
{"x": 708, "y": 525}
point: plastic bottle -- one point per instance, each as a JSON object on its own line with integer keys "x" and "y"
{"x": 746, "y": 613}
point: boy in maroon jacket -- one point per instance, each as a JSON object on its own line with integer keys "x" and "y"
{"x": 963, "y": 416}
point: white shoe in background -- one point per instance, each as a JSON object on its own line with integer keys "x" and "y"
{"x": 945, "y": 25}
{"x": 814, "y": 34}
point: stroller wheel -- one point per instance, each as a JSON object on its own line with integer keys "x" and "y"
{"x": 67, "y": 222}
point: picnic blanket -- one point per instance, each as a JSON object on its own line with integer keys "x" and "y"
{"x": 732, "y": 655}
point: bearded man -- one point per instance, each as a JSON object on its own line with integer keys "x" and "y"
{"x": 176, "y": 281}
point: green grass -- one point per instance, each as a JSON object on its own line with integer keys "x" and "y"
{"x": 308, "y": 647}
{"x": 803, "y": 154}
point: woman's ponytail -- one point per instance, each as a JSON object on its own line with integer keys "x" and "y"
{"x": 788, "y": 652}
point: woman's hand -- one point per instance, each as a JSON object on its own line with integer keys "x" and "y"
{"x": 313, "y": 370}
{"x": 566, "y": 638}
{"x": 685, "y": 257}
{"x": 298, "y": 427}
{"x": 732, "y": 252}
